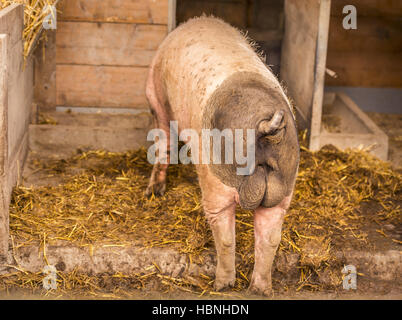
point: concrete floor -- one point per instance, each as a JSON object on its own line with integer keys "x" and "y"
{"x": 384, "y": 100}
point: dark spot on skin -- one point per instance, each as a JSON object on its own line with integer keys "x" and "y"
{"x": 60, "y": 266}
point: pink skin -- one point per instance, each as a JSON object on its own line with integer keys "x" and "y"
{"x": 157, "y": 182}
{"x": 219, "y": 202}
{"x": 267, "y": 232}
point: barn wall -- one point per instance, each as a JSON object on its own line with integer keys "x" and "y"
{"x": 103, "y": 50}
{"x": 16, "y": 86}
{"x": 369, "y": 56}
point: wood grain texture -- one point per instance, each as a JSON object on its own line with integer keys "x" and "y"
{"x": 133, "y": 11}
{"x": 372, "y": 34}
{"x": 373, "y": 8}
{"x": 3, "y": 104}
{"x": 367, "y": 56}
{"x": 298, "y": 54}
{"x": 319, "y": 74}
{"x": 45, "y": 73}
{"x": 16, "y": 85}
{"x": 20, "y": 95}
{"x": 101, "y": 86}
{"x": 107, "y": 43}
{"x": 11, "y": 23}
{"x": 369, "y": 69}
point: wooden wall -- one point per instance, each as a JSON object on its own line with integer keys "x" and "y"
{"x": 16, "y": 94}
{"x": 101, "y": 50}
{"x": 371, "y": 55}
{"x": 102, "y": 53}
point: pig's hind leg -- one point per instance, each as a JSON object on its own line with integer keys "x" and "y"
{"x": 267, "y": 231}
{"x": 219, "y": 206}
{"x": 157, "y": 181}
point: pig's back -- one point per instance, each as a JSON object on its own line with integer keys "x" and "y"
{"x": 196, "y": 58}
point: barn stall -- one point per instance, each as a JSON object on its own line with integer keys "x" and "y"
{"x": 79, "y": 202}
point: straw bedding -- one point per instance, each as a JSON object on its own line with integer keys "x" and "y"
{"x": 340, "y": 198}
{"x": 34, "y": 15}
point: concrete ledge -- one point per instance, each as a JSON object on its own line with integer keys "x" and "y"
{"x": 356, "y": 128}
{"x": 115, "y": 133}
{"x": 385, "y": 265}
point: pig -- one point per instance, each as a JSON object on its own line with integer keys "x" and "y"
{"x": 205, "y": 75}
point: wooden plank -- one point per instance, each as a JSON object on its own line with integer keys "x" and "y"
{"x": 101, "y": 86}
{"x": 171, "y": 15}
{"x": 372, "y": 34}
{"x": 371, "y": 69}
{"x": 319, "y": 74}
{"x": 11, "y": 22}
{"x": 45, "y": 73}
{"x": 47, "y": 138}
{"x": 4, "y": 225}
{"x": 298, "y": 55}
{"x": 107, "y": 43}
{"x": 132, "y": 11}
{"x": 373, "y": 8}
{"x": 3, "y": 103}
{"x": 20, "y": 94}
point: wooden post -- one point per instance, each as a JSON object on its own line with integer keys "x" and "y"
{"x": 45, "y": 73}
{"x": 171, "y": 15}
{"x": 304, "y": 51}
{"x": 4, "y": 224}
{"x": 319, "y": 73}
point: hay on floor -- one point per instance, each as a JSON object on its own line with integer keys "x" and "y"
{"x": 100, "y": 201}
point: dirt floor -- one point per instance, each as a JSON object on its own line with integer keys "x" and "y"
{"x": 343, "y": 201}
{"x": 376, "y": 290}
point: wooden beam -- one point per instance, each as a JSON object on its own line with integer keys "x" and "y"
{"x": 372, "y": 8}
{"x": 107, "y": 43}
{"x": 128, "y": 11}
{"x": 101, "y": 86}
{"x": 171, "y": 15}
{"x": 319, "y": 74}
{"x": 298, "y": 55}
{"x": 3, "y": 103}
{"x": 45, "y": 73}
{"x": 4, "y": 224}
{"x": 10, "y": 23}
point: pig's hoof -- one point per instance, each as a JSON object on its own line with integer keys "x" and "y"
{"x": 260, "y": 291}
{"x": 158, "y": 189}
{"x": 220, "y": 285}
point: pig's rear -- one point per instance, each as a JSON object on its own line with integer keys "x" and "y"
{"x": 207, "y": 75}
